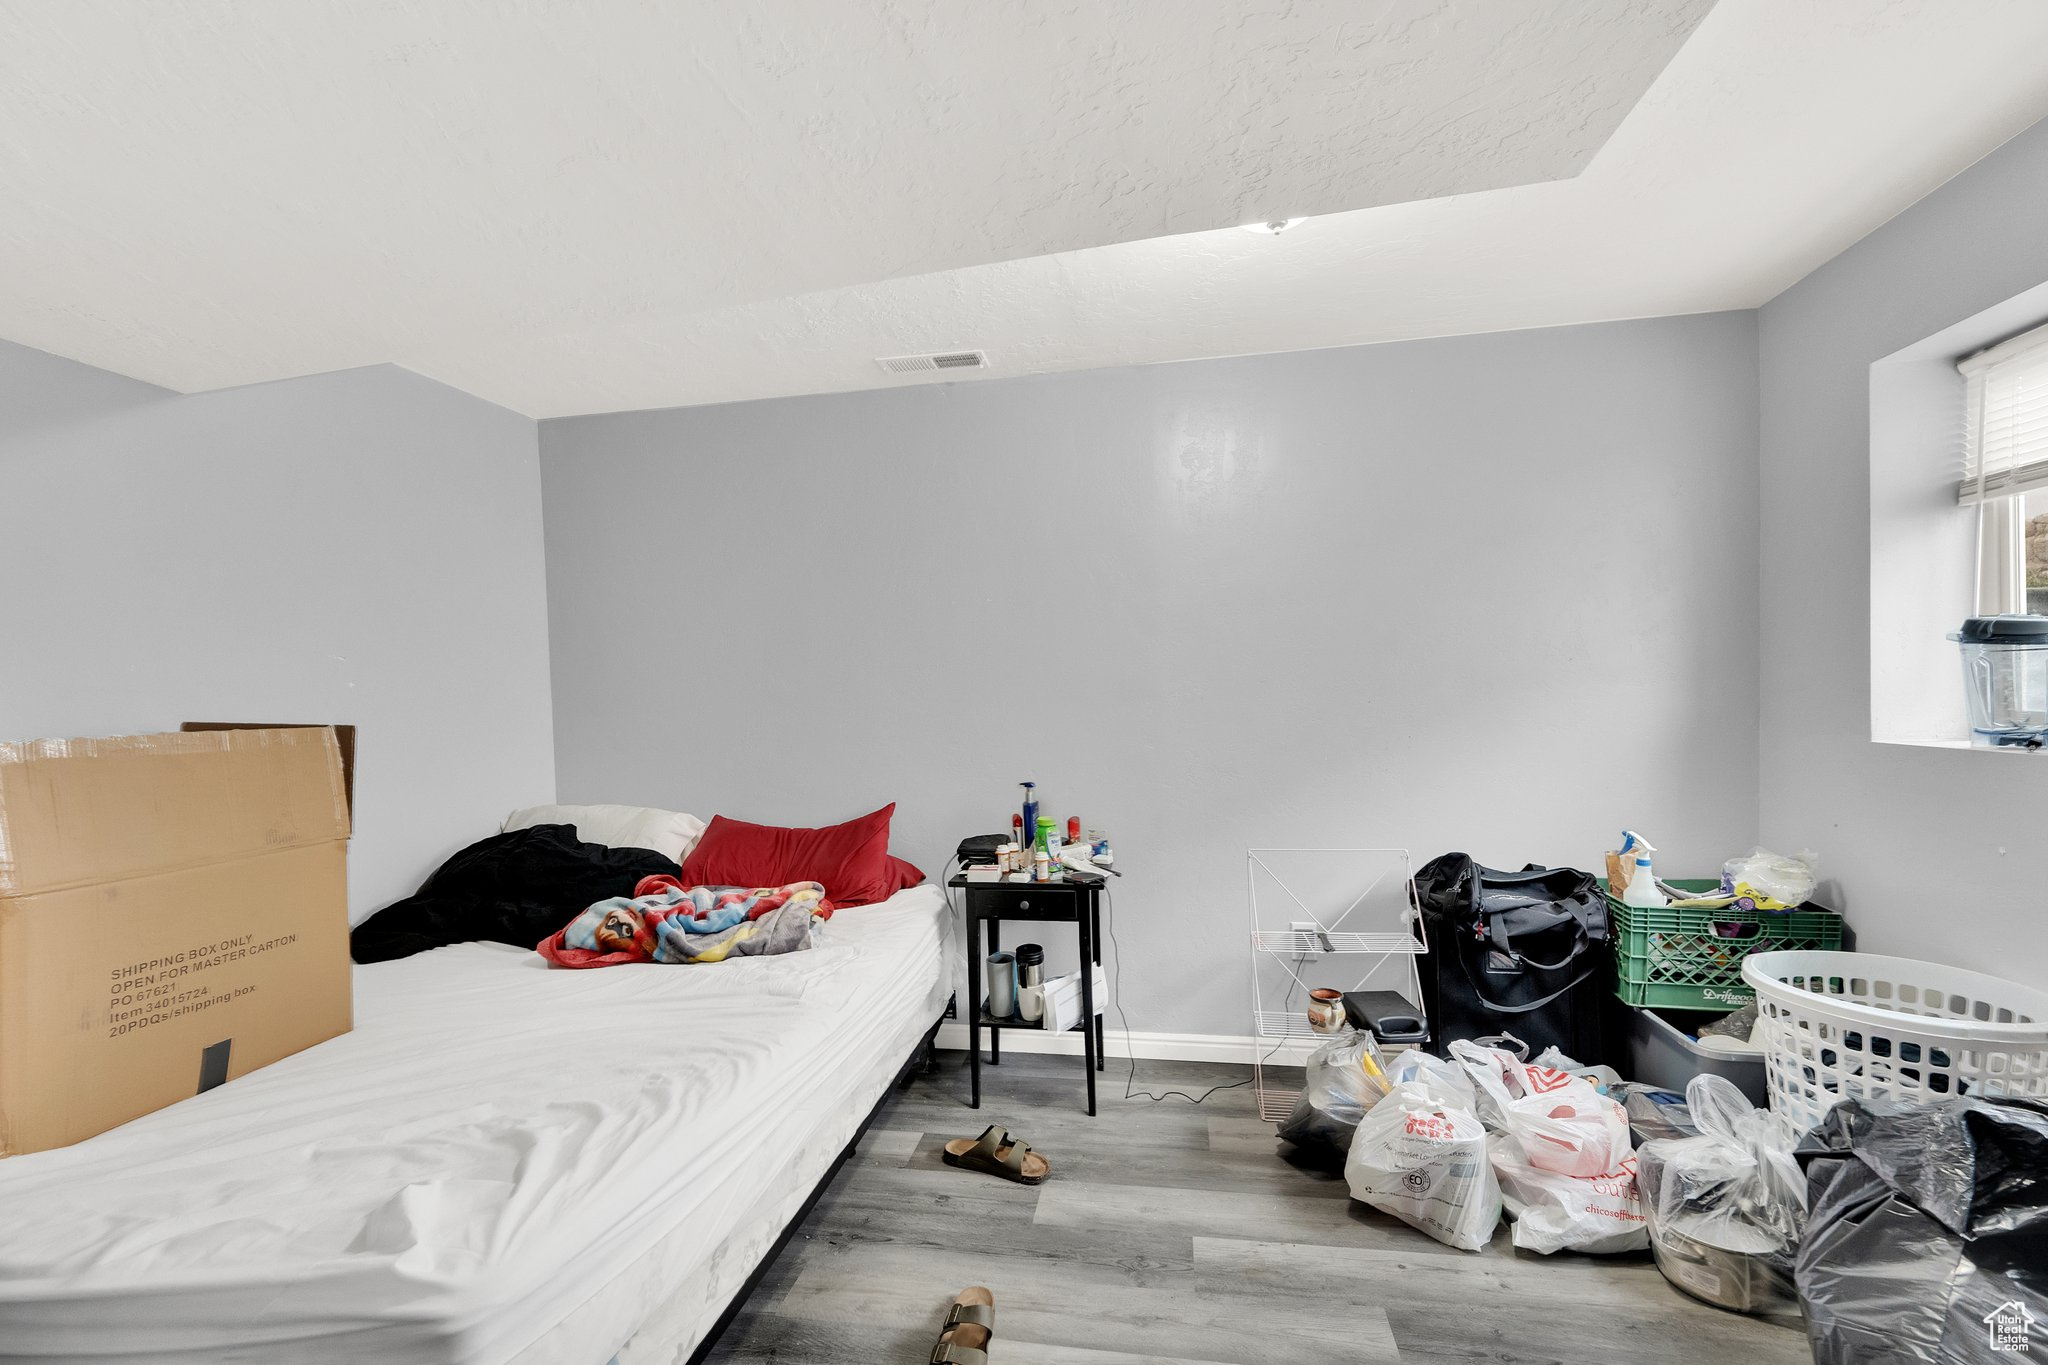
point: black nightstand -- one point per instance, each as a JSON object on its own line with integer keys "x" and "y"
{"x": 1078, "y": 902}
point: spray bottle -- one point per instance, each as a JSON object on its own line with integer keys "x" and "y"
{"x": 1642, "y": 892}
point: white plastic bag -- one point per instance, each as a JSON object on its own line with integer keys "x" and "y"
{"x": 1560, "y": 1121}
{"x": 1601, "y": 1078}
{"x": 1578, "y": 1132}
{"x": 1341, "y": 1080}
{"x": 1771, "y": 881}
{"x": 1560, "y": 1152}
{"x": 1726, "y": 1210}
{"x": 1446, "y": 1078}
{"x": 1596, "y": 1215}
{"x": 1420, "y": 1155}
{"x": 1485, "y": 1070}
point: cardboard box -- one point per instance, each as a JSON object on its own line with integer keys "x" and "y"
{"x": 173, "y": 914}
{"x": 344, "y": 735}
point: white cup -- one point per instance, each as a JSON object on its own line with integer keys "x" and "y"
{"x": 1031, "y": 1003}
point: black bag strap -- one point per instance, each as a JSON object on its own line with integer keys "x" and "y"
{"x": 1497, "y": 932}
{"x": 1465, "y": 965}
{"x": 1561, "y": 963}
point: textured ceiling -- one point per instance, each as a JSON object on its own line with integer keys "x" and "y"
{"x": 572, "y": 207}
{"x": 212, "y": 193}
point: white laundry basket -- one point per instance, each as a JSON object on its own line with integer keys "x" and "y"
{"x": 1841, "y": 1025}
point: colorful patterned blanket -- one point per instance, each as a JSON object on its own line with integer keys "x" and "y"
{"x": 665, "y": 921}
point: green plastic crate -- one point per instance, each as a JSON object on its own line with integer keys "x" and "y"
{"x": 1674, "y": 959}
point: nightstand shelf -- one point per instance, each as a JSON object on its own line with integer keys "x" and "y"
{"x": 1025, "y": 1026}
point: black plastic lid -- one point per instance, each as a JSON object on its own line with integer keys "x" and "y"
{"x": 1030, "y": 952}
{"x": 2004, "y": 630}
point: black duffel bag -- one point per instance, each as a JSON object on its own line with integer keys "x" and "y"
{"x": 1516, "y": 952}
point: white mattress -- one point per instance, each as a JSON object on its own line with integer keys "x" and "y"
{"x": 501, "y": 1162}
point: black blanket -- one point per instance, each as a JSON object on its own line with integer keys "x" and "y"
{"x": 516, "y": 888}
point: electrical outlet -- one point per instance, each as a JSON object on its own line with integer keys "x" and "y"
{"x": 1313, "y": 932}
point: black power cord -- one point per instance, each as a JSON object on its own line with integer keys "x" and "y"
{"x": 1131, "y": 1092}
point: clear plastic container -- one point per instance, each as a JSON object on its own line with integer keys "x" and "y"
{"x": 2005, "y": 677}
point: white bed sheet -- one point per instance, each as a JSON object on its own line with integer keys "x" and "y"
{"x": 501, "y": 1162}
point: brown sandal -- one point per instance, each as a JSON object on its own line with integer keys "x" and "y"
{"x": 970, "y": 1323}
{"x": 993, "y": 1153}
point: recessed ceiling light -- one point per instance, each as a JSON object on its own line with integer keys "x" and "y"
{"x": 1272, "y": 227}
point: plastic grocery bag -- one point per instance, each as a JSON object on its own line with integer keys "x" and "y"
{"x": 1601, "y": 1078}
{"x": 1928, "y": 1240}
{"x": 1560, "y": 1121}
{"x": 1593, "y": 1215}
{"x": 1342, "y": 1080}
{"x": 1485, "y": 1072}
{"x": 1420, "y": 1154}
{"x": 1576, "y": 1131}
{"x": 1551, "y": 1130}
{"x": 1447, "y": 1078}
{"x": 1726, "y": 1209}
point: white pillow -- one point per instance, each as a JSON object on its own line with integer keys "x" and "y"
{"x": 670, "y": 833}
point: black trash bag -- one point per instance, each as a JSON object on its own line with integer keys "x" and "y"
{"x": 1926, "y": 1233}
{"x": 1516, "y": 952}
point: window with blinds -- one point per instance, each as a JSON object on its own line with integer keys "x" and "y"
{"x": 2005, "y": 441}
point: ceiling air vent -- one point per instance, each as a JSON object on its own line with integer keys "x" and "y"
{"x": 936, "y": 360}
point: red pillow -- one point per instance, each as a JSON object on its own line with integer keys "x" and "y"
{"x": 852, "y": 859}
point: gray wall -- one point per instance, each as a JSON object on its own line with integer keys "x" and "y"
{"x": 1933, "y": 853}
{"x": 1494, "y": 593}
{"x": 362, "y": 546}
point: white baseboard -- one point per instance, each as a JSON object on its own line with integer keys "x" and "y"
{"x": 1159, "y": 1047}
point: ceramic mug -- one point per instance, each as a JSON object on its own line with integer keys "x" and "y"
{"x": 1031, "y": 1003}
{"x": 1326, "y": 1010}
